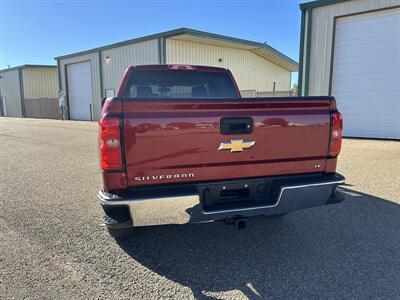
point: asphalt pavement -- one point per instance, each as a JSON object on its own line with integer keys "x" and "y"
{"x": 53, "y": 244}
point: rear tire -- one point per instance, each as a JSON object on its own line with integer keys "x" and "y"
{"x": 119, "y": 233}
{"x": 278, "y": 216}
{"x": 339, "y": 195}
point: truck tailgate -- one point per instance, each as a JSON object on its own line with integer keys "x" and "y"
{"x": 177, "y": 141}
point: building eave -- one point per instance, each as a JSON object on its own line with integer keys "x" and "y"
{"x": 27, "y": 66}
{"x": 318, "y": 3}
{"x": 286, "y": 61}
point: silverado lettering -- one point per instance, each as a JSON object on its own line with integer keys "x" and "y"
{"x": 251, "y": 156}
{"x": 160, "y": 177}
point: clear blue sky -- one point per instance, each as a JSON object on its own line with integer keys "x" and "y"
{"x": 34, "y": 32}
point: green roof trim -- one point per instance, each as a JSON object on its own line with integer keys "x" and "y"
{"x": 318, "y": 3}
{"x": 28, "y": 66}
{"x": 301, "y": 53}
{"x": 188, "y": 31}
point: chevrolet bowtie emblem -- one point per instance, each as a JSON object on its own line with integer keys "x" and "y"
{"x": 236, "y": 145}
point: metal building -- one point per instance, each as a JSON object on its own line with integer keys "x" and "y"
{"x": 87, "y": 76}
{"x": 29, "y": 91}
{"x": 351, "y": 49}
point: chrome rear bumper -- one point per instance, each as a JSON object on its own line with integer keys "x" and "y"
{"x": 188, "y": 209}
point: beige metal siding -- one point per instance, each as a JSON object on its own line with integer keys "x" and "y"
{"x": 321, "y": 38}
{"x": 120, "y": 58}
{"x": 96, "y": 91}
{"x": 251, "y": 71}
{"x": 42, "y": 108}
{"x": 40, "y": 83}
{"x": 10, "y": 89}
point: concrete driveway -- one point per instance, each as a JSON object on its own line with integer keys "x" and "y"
{"x": 52, "y": 244}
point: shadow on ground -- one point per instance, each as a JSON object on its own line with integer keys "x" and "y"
{"x": 346, "y": 250}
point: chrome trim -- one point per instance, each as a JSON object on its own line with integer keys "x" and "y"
{"x": 126, "y": 202}
{"x": 277, "y": 202}
{"x": 308, "y": 185}
{"x": 187, "y": 208}
{"x": 157, "y": 211}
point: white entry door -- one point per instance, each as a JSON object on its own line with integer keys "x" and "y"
{"x": 366, "y": 74}
{"x": 80, "y": 90}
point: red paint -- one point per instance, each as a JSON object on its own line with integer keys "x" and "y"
{"x": 331, "y": 165}
{"x": 182, "y": 136}
{"x": 114, "y": 180}
{"x": 176, "y": 137}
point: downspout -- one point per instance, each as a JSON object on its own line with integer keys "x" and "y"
{"x": 101, "y": 75}
{"x": 162, "y": 44}
{"x": 308, "y": 54}
{"x": 160, "y": 58}
{"x": 102, "y": 92}
{"x": 164, "y": 54}
{"x": 21, "y": 91}
{"x": 300, "y": 79}
{"x": 59, "y": 77}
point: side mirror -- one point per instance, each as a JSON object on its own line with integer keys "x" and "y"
{"x": 102, "y": 101}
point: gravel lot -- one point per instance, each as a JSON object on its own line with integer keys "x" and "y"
{"x": 53, "y": 245}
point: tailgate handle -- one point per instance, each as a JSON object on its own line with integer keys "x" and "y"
{"x": 236, "y": 125}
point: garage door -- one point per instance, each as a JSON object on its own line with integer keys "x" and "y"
{"x": 366, "y": 74}
{"x": 80, "y": 90}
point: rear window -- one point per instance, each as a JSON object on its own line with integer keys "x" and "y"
{"x": 166, "y": 84}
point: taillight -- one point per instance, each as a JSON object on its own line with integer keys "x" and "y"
{"x": 110, "y": 144}
{"x": 336, "y": 134}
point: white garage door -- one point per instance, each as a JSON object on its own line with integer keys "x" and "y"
{"x": 80, "y": 90}
{"x": 366, "y": 74}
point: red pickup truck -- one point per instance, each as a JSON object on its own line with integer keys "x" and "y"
{"x": 178, "y": 144}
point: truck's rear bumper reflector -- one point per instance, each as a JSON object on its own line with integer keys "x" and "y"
{"x": 184, "y": 209}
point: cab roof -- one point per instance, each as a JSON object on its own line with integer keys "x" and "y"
{"x": 178, "y": 67}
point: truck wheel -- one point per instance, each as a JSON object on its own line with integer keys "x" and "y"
{"x": 118, "y": 233}
{"x": 278, "y": 216}
{"x": 340, "y": 195}
{"x": 337, "y": 197}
